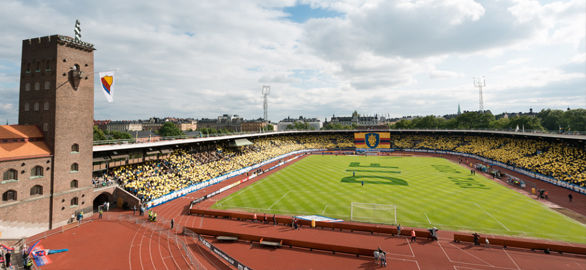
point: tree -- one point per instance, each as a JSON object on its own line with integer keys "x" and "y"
{"x": 117, "y": 135}
{"x": 575, "y": 119}
{"x": 170, "y": 129}
{"x": 503, "y": 123}
{"x": 403, "y": 124}
{"x": 474, "y": 120}
{"x": 99, "y": 134}
{"x": 552, "y": 119}
{"x": 526, "y": 122}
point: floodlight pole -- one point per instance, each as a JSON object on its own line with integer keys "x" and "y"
{"x": 266, "y": 90}
{"x": 480, "y": 82}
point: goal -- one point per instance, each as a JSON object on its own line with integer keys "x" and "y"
{"x": 373, "y": 213}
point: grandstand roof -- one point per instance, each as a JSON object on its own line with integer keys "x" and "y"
{"x": 241, "y": 142}
{"x": 22, "y": 141}
{"x": 163, "y": 143}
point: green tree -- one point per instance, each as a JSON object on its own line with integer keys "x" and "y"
{"x": 503, "y": 123}
{"x": 474, "y": 120}
{"x": 169, "y": 129}
{"x": 526, "y": 122}
{"x": 117, "y": 135}
{"x": 99, "y": 134}
{"x": 552, "y": 119}
{"x": 575, "y": 119}
{"x": 403, "y": 124}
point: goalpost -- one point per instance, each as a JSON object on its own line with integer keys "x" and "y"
{"x": 373, "y": 212}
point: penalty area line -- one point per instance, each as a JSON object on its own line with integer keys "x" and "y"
{"x": 427, "y": 218}
{"x": 323, "y": 211}
{"x": 493, "y": 217}
{"x": 284, "y": 195}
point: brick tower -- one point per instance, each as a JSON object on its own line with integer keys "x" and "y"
{"x": 57, "y": 95}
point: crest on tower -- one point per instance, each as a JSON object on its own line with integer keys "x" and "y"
{"x": 77, "y": 30}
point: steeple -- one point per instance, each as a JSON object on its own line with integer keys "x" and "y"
{"x": 459, "y": 112}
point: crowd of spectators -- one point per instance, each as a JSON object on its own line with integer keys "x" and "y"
{"x": 183, "y": 168}
{"x": 155, "y": 178}
{"x": 551, "y": 158}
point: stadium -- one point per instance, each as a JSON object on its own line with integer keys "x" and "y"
{"x": 324, "y": 199}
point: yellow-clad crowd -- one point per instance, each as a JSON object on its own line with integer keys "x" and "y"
{"x": 556, "y": 159}
{"x": 154, "y": 179}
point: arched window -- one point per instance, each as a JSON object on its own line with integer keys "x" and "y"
{"x": 75, "y": 148}
{"x": 74, "y": 201}
{"x": 37, "y": 86}
{"x": 27, "y": 86}
{"x": 47, "y": 85}
{"x": 36, "y": 107}
{"x": 74, "y": 184}
{"x": 38, "y": 66}
{"x": 48, "y": 65}
{"x": 9, "y": 195}
{"x": 37, "y": 190}
{"x": 74, "y": 167}
{"x": 27, "y": 107}
{"x": 11, "y": 174}
{"x": 28, "y": 68}
{"x": 46, "y": 106}
{"x": 36, "y": 172}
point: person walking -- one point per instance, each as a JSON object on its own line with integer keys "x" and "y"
{"x": 141, "y": 210}
{"x": 486, "y": 242}
{"x": 413, "y": 236}
{"x": 274, "y": 220}
{"x": 134, "y": 210}
{"x": 100, "y": 212}
{"x": 107, "y": 206}
{"x": 399, "y": 230}
{"x": 172, "y": 223}
{"x": 570, "y": 197}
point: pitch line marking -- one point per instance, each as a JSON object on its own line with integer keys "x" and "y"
{"x": 493, "y": 217}
{"x": 323, "y": 211}
{"x": 427, "y": 218}
{"x": 284, "y": 195}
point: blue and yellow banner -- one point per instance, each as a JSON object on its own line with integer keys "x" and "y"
{"x": 372, "y": 140}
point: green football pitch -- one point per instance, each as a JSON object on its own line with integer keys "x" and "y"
{"x": 412, "y": 191}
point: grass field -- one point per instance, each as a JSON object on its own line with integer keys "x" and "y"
{"x": 424, "y": 191}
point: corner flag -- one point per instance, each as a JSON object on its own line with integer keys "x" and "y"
{"x": 107, "y": 82}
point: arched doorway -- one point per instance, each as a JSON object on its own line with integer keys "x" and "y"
{"x": 101, "y": 199}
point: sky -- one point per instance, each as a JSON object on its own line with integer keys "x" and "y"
{"x": 201, "y": 59}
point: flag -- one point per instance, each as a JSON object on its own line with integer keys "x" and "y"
{"x": 107, "y": 82}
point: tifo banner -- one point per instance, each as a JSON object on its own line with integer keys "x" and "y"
{"x": 107, "y": 82}
{"x": 372, "y": 140}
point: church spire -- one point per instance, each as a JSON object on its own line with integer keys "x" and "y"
{"x": 459, "y": 112}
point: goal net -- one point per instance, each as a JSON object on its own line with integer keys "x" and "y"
{"x": 373, "y": 213}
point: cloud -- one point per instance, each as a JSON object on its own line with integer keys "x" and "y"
{"x": 202, "y": 59}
